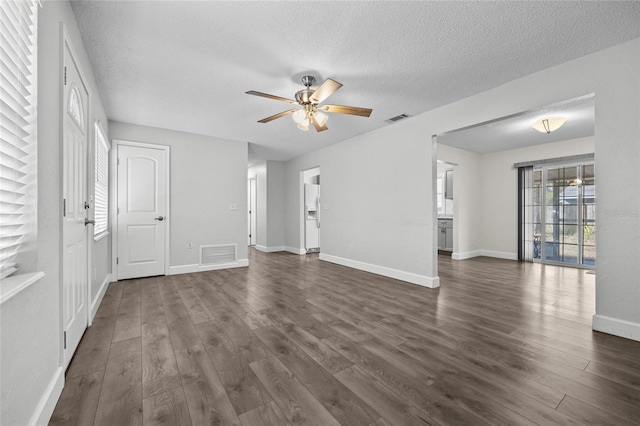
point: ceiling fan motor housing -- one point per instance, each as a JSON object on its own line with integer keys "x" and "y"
{"x": 302, "y": 96}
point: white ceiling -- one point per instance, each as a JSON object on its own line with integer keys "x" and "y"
{"x": 516, "y": 132}
{"x": 186, "y": 65}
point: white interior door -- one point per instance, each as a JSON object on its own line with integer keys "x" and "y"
{"x": 74, "y": 192}
{"x": 252, "y": 212}
{"x": 142, "y": 216}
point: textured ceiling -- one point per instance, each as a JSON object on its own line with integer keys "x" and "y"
{"x": 186, "y": 65}
{"x": 516, "y": 132}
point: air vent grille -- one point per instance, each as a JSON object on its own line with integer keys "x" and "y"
{"x": 218, "y": 254}
{"x": 397, "y": 118}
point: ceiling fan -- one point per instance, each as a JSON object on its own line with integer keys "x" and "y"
{"x": 309, "y": 99}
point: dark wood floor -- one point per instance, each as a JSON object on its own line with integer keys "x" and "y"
{"x": 293, "y": 340}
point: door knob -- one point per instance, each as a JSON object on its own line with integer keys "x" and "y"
{"x": 160, "y": 218}
{"x": 87, "y": 221}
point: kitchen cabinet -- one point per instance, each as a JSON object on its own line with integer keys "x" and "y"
{"x": 448, "y": 184}
{"x": 445, "y": 234}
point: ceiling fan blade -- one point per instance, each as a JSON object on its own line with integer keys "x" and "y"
{"x": 317, "y": 125}
{"x": 325, "y": 90}
{"x": 268, "y": 96}
{"x": 341, "y": 109}
{"x": 278, "y": 115}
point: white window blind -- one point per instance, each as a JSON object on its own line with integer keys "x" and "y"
{"x": 101, "y": 188}
{"x": 18, "y": 97}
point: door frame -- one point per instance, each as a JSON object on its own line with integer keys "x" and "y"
{"x": 65, "y": 43}
{"x": 253, "y": 206}
{"x": 113, "y": 195}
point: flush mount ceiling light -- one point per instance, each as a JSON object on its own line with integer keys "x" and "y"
{"x": 309, "y": 99}
{"x": 549, "y": 124}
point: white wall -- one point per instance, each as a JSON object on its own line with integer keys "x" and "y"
{"x": 376, "y": 210}
{"x": 374, "y": 182}
{"x": 275, "y": 205}
{"x": 207, "y": 175}
{"x": 32, "y": 376}
{"x": 499, "y": 191}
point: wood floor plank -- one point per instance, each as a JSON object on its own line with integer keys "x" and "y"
{"x": 120, "y": 400}
{"x": 166, "y": 408}
{"x": 590, "y": 415}
{"x": 159, "y": 369}
{"x": 298, "y": 405}
{"x": 265, "y": 415}
{"x": 347, "y": 408}
{"x": 417, "y": 392}
{"x": 197, "y": 310}
{"x": 129, "y": 322}
{"x": 244, "y": 389}
{"x": 321, "y": 353}
{"x": 79, "y": 400}
{"x": 391, "y": 406}
{"x": 206, "y": 397}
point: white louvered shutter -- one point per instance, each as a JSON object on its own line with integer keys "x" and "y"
{"x": 18, "y": 97}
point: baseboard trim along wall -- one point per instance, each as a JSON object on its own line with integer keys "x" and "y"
{"x": 95, "y": 304}
{"x": 617, "y": 327}
{"x": 488, "y": 253}
{"x": 422, "y": 280}
{"x": 271, "y": 249}
{"x": 188, "y": 269}
{"x": 295, "y": 250}
{"x": 47, "y": 404}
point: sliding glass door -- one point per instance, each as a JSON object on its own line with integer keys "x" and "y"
{"x": 563, "y": 213}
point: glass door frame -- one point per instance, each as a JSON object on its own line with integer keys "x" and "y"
{"x": 579, "y": 216}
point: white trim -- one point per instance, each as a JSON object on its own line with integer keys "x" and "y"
{"x": 295, "y": 250}
{"x": 44, "y": 410}
{"x": 422, "y": 280}
{"x": 617, "y": 327}
{"x": 272, "y": 249}
{"x": 188, "y": 269}
{"x": 487, "y": 253}
{"x": 15, "y": 284}
{"x": 113, "y": 195}
{"x": 96, "y": 303}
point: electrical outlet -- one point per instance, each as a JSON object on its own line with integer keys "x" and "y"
{"x": 233, "y": 207}
{"x": 189, "y": 245}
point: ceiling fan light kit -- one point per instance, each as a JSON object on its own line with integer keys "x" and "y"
{"x": 309, "y": 99}
{"x": 549, "y": 124}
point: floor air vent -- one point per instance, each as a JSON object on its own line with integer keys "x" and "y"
{"x": 218, "y": 255}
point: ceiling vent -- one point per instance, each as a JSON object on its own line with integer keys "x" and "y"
{"x": 397, "y": 118}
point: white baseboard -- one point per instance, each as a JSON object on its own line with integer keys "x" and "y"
{"x": 47, "y": 404}
{"x": 295, "y": 250}
{"x": 466, "y": 255}
{"x": 270, "y": 249}
{"x": 422, "y": 280}
{"x": 96, "y": 302}
{"x": 617, "y": 327}
{"x": 188, "y": 269}
{"x": 488, "y": 253}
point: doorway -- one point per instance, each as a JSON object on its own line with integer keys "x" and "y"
{"x": 142, "y": 198}
{"x": 311, "y": 210}
{"x": 75, "y": 253}
{"x": 252, "y": 209}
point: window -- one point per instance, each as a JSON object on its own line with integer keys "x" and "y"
{"x": 18, "y": 97}
{"x": 557, "y": 214}
{"x": 101, "y": 187}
